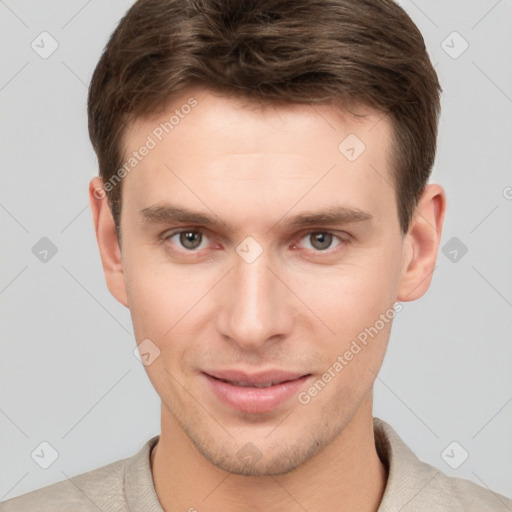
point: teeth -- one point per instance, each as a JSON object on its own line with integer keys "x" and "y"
{"x": 247, "y": 385}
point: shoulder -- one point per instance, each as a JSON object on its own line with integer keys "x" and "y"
{"x": 416, "y": 486}
{"x": 446, "y": 492}
{"x": 104, "y": 488}
{"x": 95, "y": 490}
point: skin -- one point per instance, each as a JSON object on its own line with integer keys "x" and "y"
{"x": 296, "y": 307}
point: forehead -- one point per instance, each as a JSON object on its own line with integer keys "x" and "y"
{"x": 215, "y": 115}
{"x": 243, "y": 158}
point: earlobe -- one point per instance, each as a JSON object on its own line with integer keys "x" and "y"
{"x": 108, "y": 243}
{"x": 421, "y": 244}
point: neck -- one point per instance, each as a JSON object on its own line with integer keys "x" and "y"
{"x": 347, "y": 475}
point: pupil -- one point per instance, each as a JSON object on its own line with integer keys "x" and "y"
{"x": 321, "y": 240}
{"x": 190, "y": 239}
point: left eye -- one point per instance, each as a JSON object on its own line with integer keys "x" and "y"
{"x": 321, "y": 240}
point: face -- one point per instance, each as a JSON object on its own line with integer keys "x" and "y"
{"x": 259, "y": 245}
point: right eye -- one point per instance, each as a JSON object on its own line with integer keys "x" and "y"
{"x": 189, "y": 239}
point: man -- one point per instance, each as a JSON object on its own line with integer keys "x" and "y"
{"x": 263, "y": 205}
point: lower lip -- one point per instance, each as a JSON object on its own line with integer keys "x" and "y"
{"x": 255, "y": 400}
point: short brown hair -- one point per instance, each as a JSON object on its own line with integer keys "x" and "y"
{"x": 342, "y": 52}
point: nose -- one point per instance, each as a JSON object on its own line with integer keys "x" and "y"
{"x": 255, "y": 306}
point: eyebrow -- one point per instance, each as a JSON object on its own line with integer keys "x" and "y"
{"x": 328, "y": 216}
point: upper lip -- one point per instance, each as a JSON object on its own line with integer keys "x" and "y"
{"x": 263, "y": 377}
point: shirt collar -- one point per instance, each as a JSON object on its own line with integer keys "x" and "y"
{"x": 407, "y": 475}
{"x": 139, "y": 486}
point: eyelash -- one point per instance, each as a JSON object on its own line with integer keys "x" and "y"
{"x": 342, "y": 239}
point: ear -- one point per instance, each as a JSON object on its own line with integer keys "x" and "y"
{"x": 108, "y": 243}
{"x": 422, "y": 243}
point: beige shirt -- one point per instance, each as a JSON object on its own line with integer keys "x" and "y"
{"x": 127, "y": 486}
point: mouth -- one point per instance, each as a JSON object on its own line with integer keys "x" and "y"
{"x": 254, "y": 393}
{"x": 249, "y": 385}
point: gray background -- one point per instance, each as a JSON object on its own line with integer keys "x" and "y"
{"x": 68, "y": 373}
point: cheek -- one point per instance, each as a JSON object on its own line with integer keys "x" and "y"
{"x": 168, "y": 304}
{"x": 359, "y": 309}
{"x": 356, "y": 302}
{"x": 158, "y": 299}
{"x": 154, "y": 294}
{"x": 351, "y": 297}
